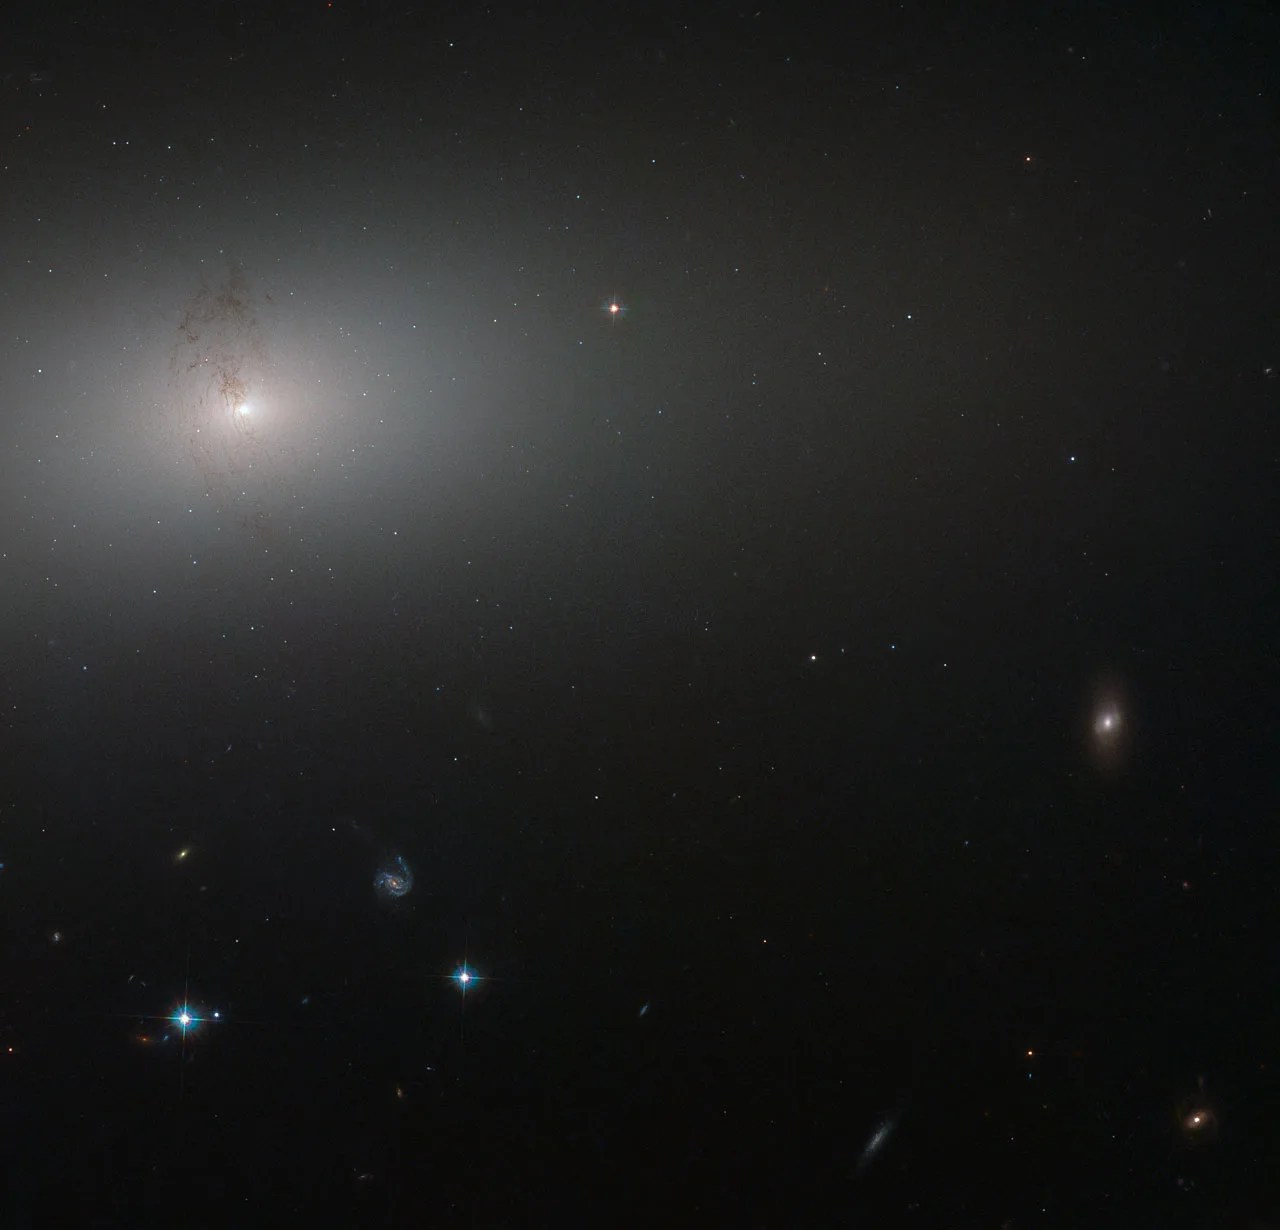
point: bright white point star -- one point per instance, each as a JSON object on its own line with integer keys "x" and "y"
{"x": 184, "y": 1020}
{"x": 615, "y": 309}
{"x": 187, "y": 1019}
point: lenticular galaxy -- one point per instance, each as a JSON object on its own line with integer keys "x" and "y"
{"x": 206, "y": 435}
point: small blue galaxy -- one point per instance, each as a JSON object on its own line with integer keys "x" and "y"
{"x": 394, "y": 880}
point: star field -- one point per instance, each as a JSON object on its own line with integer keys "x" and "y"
{"x": 752, "y": 526}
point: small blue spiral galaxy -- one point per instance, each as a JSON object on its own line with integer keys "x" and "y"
{"x": 394, "y": 880}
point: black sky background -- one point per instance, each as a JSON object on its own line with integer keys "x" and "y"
{"x": 726, "y": 671}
